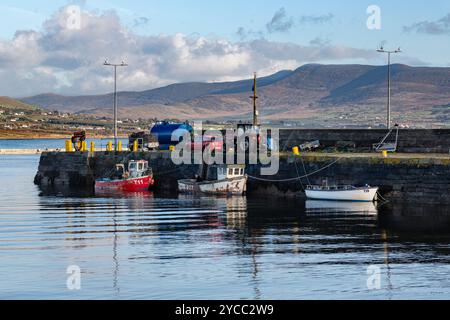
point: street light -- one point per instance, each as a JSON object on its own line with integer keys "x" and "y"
{"x": 115, "y": 65}
{"x": 381, "y": 49}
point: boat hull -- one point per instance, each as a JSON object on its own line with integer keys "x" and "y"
{"x": 364, "y": 195}
{"x": 126, "y": 185}
{"x": 236, "y": 186}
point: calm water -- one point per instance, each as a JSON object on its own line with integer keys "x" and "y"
{"x": 49, "y": 143}
{"x": 174, "y": 247}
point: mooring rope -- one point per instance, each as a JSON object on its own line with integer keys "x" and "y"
{"x": 304, "y": 170}
{"x": 382, "y": 198}
{"x": 298, "y": 175}
{"x": 297, "y": 178}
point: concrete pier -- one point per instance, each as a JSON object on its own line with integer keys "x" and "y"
{"x": 421, "y": 178}
{"x": 24, "y": 151}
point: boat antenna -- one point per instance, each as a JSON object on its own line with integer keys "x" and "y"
{"x": 254, "y": 97}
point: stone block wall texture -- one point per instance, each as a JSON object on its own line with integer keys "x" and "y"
{"x": 409, "y": 140}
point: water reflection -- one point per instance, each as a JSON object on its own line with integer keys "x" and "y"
{"x": 151, "y": 245}
{"x": 166, "y": 246}
{"x": 340, "y": 207}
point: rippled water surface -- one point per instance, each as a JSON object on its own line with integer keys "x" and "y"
{"x": 151, "y": 246}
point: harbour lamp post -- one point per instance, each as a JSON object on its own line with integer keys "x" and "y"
{"x": 381, "y": 49}
{"x": 115, "y": 65}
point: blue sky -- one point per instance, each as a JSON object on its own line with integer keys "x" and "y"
{"x": 338, "y": 27}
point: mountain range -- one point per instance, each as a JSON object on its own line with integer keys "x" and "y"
{"x": 313, "y": 91}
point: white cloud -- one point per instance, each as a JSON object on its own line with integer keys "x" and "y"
{"x": 61, "y": 60}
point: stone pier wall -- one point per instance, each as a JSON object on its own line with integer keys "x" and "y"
{"x": 400, "y": 178}
{"x": 409, "y": 140}
{"x": 80, "y": 169}
{"x": 410, "y": 179}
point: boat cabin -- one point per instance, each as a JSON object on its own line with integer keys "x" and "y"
{"x": 136, "y": 168}
{"x": 138, "y": 165}
{"x": 230, "y": 172}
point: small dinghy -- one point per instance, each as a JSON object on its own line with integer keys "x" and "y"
{"x": 218, "y": 180}
{"x": 138, "y": 177}
{"x": 342, "y": 193}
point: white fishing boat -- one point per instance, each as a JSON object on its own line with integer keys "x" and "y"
{"x": 342, "y": 193}
{"x": 225, "y": 180}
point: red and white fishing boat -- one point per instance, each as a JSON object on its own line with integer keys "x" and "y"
{"x": 138, "y": 177}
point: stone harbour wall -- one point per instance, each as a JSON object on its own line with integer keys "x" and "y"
{"x": 409, "y": 140}
{"x": 410, "y": 178}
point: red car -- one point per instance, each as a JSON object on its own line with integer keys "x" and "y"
{"x": 206, "y": 142}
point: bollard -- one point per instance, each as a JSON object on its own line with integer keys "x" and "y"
{"x": 109, "y": 147}
{"x": 92, "y": 146}
{"x": 135, "y": 146}
{"x": 172, "y": 148}
{"x": 69, "y": 146}
{"x": 84, "y": 146}
{"x": 296, "y": 151}
{"x": 119, "y": 146}
{"x": 384, "y": 153}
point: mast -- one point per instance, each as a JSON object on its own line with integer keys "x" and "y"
{"x": 254, "y": 97}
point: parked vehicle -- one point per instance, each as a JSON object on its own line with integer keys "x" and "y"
{"x": 145, "y": 141}
{"x": 77, "y": 139}
{"x": 206, "y": 142}
{"x": 309, "y": 146}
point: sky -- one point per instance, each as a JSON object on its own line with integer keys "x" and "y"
{"x": 59, "y": 46}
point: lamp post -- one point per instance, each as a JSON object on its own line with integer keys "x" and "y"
{"x": 115, "y": 65}
{"x": 381, "y": 50}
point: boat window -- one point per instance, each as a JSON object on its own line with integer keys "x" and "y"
{"x": 132, "y": 165}
{"x": 242, "y": 171}
{"x": 236, "y": 171}
{"x": 140, "y": 166}
{"x": 230, "y": 172}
